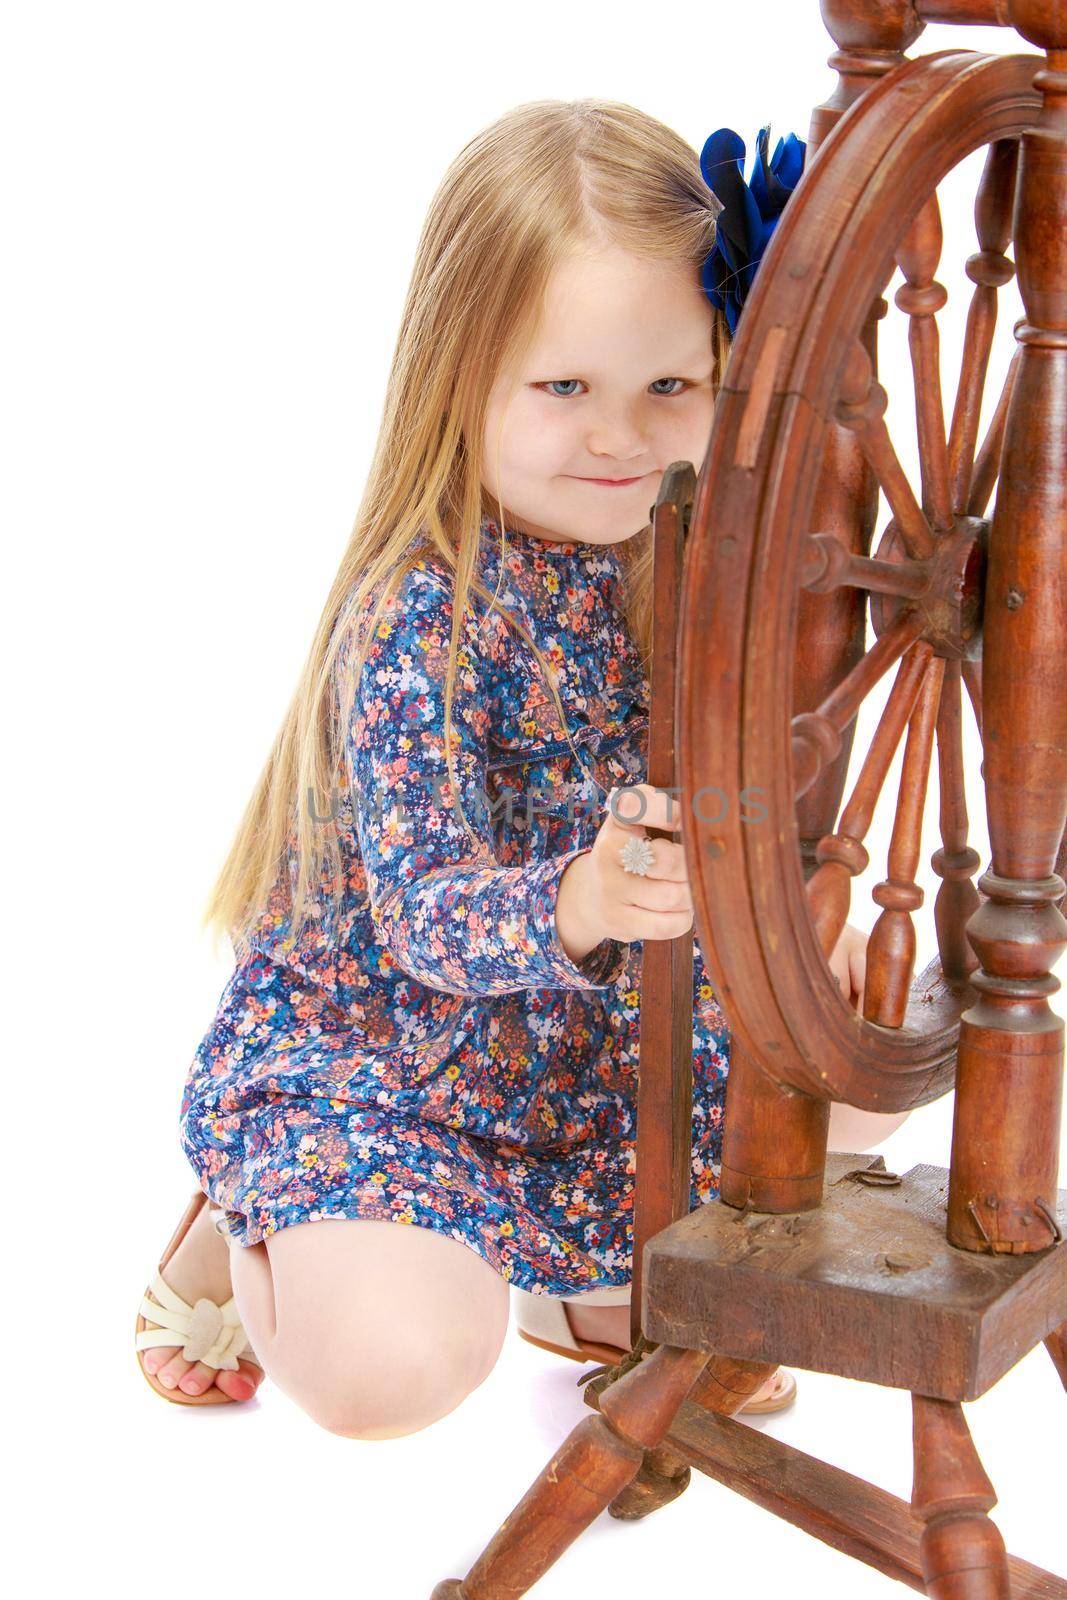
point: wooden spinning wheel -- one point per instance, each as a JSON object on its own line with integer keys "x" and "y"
{"x": 939, "y": 598}
{"x": 769, "y": 573}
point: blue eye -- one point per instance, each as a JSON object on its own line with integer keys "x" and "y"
{"x": 554, "y": 385}
{"x": 551, "y": 384}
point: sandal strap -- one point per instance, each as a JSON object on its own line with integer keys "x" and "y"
{"x": 207, "y": 1332}
{"x": 219, "y": 1223}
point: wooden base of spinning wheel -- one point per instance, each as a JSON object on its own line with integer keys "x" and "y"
{"x": 865, "y": 1286}
{"x": 885, "y": 1299}
{"x": 843, "y": 1511}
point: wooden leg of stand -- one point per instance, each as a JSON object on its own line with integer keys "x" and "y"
{"x": 662, "y": 1476}
{"x": 961, "y": 1551}
{"x": 1056, "y": 1345}
{"x": 598, "y": 1458}
{"x": 723, "y": 1387}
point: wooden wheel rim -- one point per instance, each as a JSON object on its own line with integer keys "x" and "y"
{"x": 884, "y": 158}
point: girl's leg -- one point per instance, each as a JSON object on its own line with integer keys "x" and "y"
{"x": 611, "y": 1325}
{"x": 601, "y": 1324}
{"x": 374, "y": 1328}
{"x": 855, "y": 1131}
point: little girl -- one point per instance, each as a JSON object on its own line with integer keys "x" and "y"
{"x": 433, "y": 1018}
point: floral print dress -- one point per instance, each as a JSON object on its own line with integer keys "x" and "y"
{"x": 430, "y": 1055}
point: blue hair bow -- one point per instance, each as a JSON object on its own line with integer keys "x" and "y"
{"x": 750, "y": 211}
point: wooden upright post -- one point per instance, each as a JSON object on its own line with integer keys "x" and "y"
{"x": 1006, "y": 1132}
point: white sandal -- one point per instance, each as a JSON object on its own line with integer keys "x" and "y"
{"x": 206, "y": 1331}
{"x": 542, "y": 1319}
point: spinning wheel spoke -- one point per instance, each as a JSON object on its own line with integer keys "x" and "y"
{"x": 826, "y": 564}
{"x": 841, "y": 855}
{"x": 862, "y": 409}
{"x": 989, "y": 270}
{"x": 955, "y": 863}
{"x": 921, "y": 298}
{"x": 987, "y": 466}
{"x": 817, "y": 734}
{"x": 972, "y": 677}
{"x": 891, "y": 947}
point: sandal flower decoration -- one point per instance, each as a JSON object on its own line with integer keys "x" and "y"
{"x": 206, "y": 1331}
{"x": 750, "y": 211}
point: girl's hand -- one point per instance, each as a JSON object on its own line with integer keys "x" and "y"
{"x": 848, "y": 963}
{"x": 656, "y": 904}
{"x": 598, "y": 899}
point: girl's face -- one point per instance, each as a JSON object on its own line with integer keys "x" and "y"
{"x": 617, "y": 385}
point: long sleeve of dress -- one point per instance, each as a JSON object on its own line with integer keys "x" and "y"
{"x": 450, "y": 915}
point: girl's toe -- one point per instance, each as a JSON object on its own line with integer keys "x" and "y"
{"x": 197, "y": 1379}
{"x": 242, "y": 1384}
{"x": 158, "y": 1355}
{"x": 172, "y": 1371}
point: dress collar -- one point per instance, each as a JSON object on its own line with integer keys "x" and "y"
{"x": 531, "y": 544}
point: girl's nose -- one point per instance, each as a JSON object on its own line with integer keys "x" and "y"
{"x": 616, "y": 435}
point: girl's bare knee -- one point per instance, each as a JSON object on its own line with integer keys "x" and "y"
{"x": 385, "y": 1394}
{"x": 381, "y": 1329}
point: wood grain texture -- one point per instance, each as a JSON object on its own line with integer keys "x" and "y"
{"x": 596, "y": 1461}
{"x": 665, "y": 1083}
{"x": 841, "y": 1510}
{"x": 1010, "y": 1072}
{"x": 774, "y": 1141}
{"x": 961, "y": 1551}
{"x": 867, "y": 1287}
{"x": 1056, "y": 1345}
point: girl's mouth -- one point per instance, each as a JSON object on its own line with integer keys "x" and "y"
{"x": 613, "y": 483}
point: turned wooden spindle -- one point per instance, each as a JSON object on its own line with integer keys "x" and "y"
{"x": 774, "y": 1141}
{"x": 892, "y": 944}
{"x": 989, "y": 270}
{"x": 596, "y": 1461}
{"x": 921, "y": 298}
{"x": 841, "y": 855}
{"x": 870, "y": 42}
{"x": 722, "y": 1388}
{"x": 955, "y": 862}
{"x": 961, "y": 1550}
{"x": 1006, "y": 1128}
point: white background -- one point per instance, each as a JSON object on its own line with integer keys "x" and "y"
{"x": 211, "y": 212}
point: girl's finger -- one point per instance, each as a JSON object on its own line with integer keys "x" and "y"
{"x": 632, "y": 810}
{"x": 653, "y": 894}
{"x": 668, "y": 858}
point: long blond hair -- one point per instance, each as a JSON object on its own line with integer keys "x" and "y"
{"x": 521, "y": 195}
